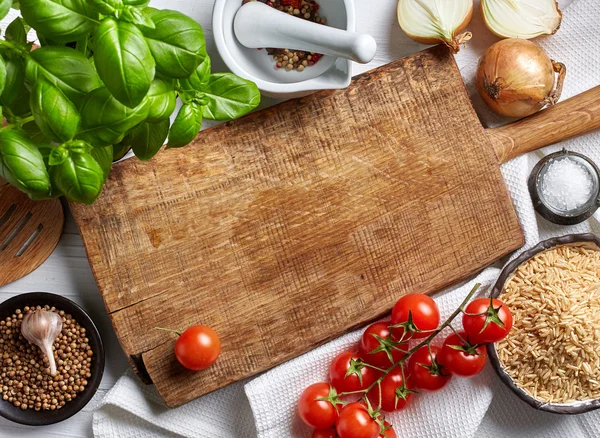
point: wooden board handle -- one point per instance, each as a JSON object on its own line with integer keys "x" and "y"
{"x": 570, "y": 118}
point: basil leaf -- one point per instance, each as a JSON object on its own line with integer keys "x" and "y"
{"x": 4, "y": 7}
{"x": 79, "y": 177}
{"x": 20, "y": 106}
{"x": 121, "y": 148}
{"x": 106, "y": 7}
{"x": 15, "y": 81}
{"x": 22, "y": 165}
{"x": 65, "y": 68}
{"x": 186, "y": 126}
{"x": 123, "y": 61}
{"x": 139, "y": 3}
{"x": 199, "y": 78}
{"x": 177, "y": 43}
{"x": 53, "y": 112}
{"x": 61, "y": 20}
{"x": 2, "y": 74}
{"x": 105, "y": 121}
{"x": 162, "y": 99}
{"x": 16, "y": 31}
{"x": 45, "y": 41}
{"x": 33, "y": 132}
{"x": 148, "y": 138}
{"x": 137, "y": 17}
{"x": 104, "y": 157}
{"x": 229, "y": 97}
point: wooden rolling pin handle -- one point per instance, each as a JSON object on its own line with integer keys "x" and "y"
{"x": 570, "y": 118}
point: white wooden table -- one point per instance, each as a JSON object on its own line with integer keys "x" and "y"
{"x": 67, "y": 271}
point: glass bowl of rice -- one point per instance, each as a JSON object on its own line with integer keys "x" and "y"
{"x": 551, "y": 357}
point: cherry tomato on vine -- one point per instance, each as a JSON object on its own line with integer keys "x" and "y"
{"x": 424, "y": 315}
{"x": 462, "y": 358}
{"x": 355, "y": 421}
{"x": 318, "y": 414}
{"x": 487, "y": 322}
{"x": 395, "y": 394}
{"x": 325, "y": 433}
{"x": 424, "y": 371}
{"x": 348, "y": 372}
{"x": 198, "y": 347}
{"x": 377, "y": 338}
{"x": 389, "y": 432}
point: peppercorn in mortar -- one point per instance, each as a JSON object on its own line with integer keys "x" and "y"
{"x": 25, "y": 379}
{"x": 307, "y": 10}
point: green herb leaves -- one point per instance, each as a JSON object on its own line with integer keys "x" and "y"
{"x": 63, "y": 20}
{"x": 148, "y": 138}
{"x": 177, "y": 43}
{"x": 56, "y": 115}
{"x": 66, "y": 68}
{"x": 75, "y": 172}
{"x": 4, "y": 7}
{"x": 105, "y": 121}
{"x": 229, "y": 97}
{"x": 161, "y": 99}
{"x": 186, "y": 126}
{"x": 105, "y": 80}
{"x": 123, "y": 61}
{"x": 22, "y": 165}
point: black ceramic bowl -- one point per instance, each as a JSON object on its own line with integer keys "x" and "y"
{"x": 557, "y": 408}
{"x": 41, "y": 418}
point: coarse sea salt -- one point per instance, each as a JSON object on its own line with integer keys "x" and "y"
{"x": 566, "y": 185}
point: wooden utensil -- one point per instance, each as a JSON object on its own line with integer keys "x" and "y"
{"x": 287, "y": 227}
{"x": 29, "y": 232}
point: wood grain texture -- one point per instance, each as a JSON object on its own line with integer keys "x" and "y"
{"x": 20, "y": 218}
{"x": 570, "y": 118}
{"x": 287, "y": 227}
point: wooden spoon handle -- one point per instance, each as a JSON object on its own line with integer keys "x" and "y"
{"x": 570, "y": 118}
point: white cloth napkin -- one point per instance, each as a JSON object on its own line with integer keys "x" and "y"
{"x": 266, "y": 406}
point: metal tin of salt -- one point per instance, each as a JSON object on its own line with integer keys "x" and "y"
{"x": 565, "y": 187}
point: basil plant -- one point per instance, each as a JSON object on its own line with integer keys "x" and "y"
{"x": 104, "y": 80}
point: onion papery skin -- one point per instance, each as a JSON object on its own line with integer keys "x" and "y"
{"x": 436, "y": 21}
{"x": 524, "y": 19}
{"x": 515, "y": 77}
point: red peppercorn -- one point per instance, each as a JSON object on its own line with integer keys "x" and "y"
{"x": 297, "y": 4}
{"x": 311, "y": 63}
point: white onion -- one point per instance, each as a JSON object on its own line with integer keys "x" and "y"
{"x": 435, "y": 21}
{"x": 521, "y": 18}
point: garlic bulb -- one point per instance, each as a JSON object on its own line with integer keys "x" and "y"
{"x": 42, "y": 328}
{"x": 435, "y": 21}
{"x": 521, "y": 18}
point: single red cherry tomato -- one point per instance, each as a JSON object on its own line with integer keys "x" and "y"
{"x": 360, "y": 376}
{"x": 394, "y": 393}
{"x": 424, "y": 313}
{"x": 424, "y": 371}
{"x": 198, "y": 347}
{"x": 485, "y": 322}
{"x": 318, "y": 414}
{"x": 356, "y": 422}
{"x": 325, "y": 433}
{"x": 378, "y": 337}
{"x": 388, "y": 433}
{"x": 466, "y": 361}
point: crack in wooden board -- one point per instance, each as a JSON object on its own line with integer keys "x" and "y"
{"x": 294, "y": 224}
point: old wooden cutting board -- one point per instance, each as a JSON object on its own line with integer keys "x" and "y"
{"x": 287, "y": 227}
